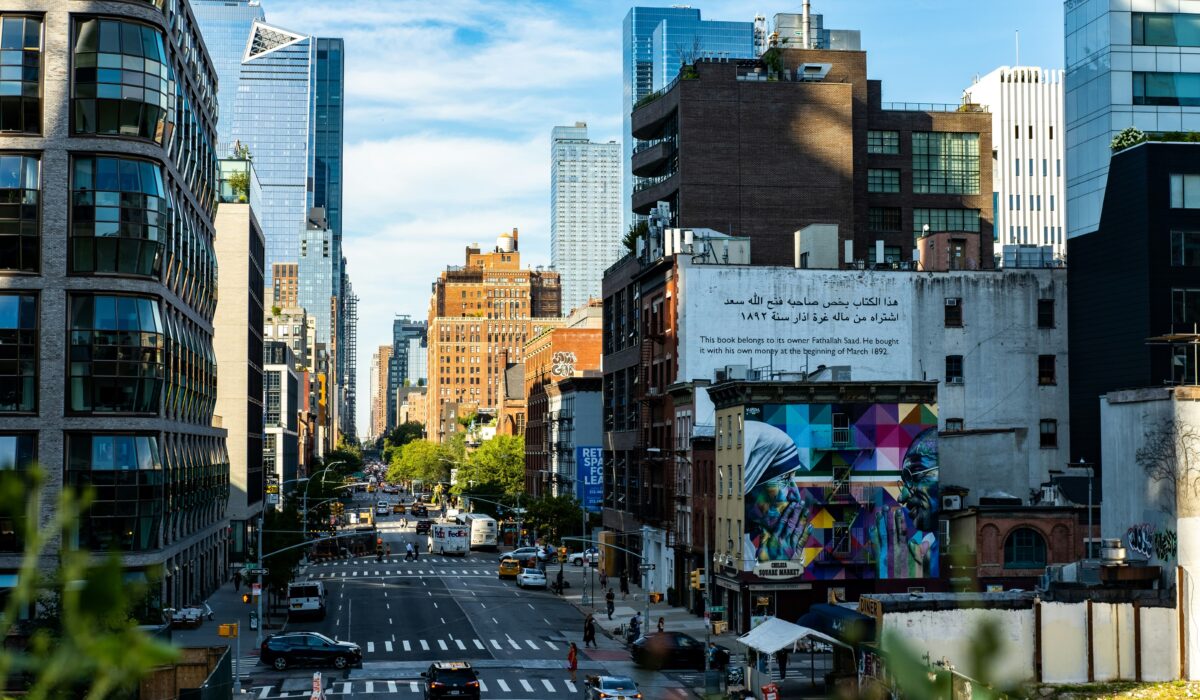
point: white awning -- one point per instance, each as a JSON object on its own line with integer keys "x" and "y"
{"x": 775, "y": 634}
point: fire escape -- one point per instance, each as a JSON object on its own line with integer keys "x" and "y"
{"x": 658, "y": 466}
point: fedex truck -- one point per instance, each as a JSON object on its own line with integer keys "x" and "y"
{"x": 449, "y": 539}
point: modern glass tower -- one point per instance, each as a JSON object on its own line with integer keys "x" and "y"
{"x": 404, "y": 332}
{"x": 585, "y": 211}
{"x": 644, "y": 70}
{"x": 1124, "y": 69}
{"x": 226, "y": 25}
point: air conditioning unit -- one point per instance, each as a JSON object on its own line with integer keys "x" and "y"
{"x": 955, "y": 380}
{"x": 952, "y": 502}
{"x": 953, "y": 301}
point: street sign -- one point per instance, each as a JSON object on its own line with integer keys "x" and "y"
{"x": 255, "y": 589}
{"x": 645, "y": 567}
{"x": 272, "y": 499}
{"x": 318, "y": 693}
{"x": 716, "y": 608}
{"x": 256, "y": 572}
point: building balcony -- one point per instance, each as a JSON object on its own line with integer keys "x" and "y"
{"x": 650, "y": 191}
{"x": 650, "y": 157}
{"x": 654, "y": 112}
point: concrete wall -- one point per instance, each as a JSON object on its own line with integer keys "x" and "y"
{"x": 947, "y": 634}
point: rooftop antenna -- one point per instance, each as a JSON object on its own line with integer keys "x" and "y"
{"x": 1018, "y": 47}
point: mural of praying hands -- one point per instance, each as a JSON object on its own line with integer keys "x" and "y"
{"x": 790, "y": 533}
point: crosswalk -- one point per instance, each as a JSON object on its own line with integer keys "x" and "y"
{"x": 424, "y": 558}
{"x": 462, "y": 644}
{"x": 377, "y": 572}
{"x": 495, "y": 687}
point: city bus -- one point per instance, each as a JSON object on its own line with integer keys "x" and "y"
{"x": 483, "y": 529}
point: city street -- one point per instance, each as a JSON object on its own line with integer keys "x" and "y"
{"x": 406, "y": 615}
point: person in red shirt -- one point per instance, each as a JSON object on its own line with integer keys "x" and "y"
{"x": 573, "y": 660}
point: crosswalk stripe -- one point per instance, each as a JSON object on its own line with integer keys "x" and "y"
{"x": 503, "y": 686}
{"x": 387, "y": 646}
{"x": 424, "y": 645}
{"x": 345, "y": 687}
{"x": 514, "y": 643}
{"x": 387, "y": 573}
{"x": 495, "y": 643}
{"x": 370, "y": 647}
{"x": 442, "y": 644}
{"x": 571, "y": 686}
{"x": 412, "y": 685}
{"x": 531, "y": 644}
{"x": 482, "y": 686}
{"x": 551, "y": 645}
{"x": 370, "y": 687}
{"x": 461, "y": 646}
{"x": 407, "y": 646}
{"x": 391, "y": 686}
{"x": 478, "y": 644}
{"x": 265, "y": 692}
{"x": 525, "y": 684}
{"x": 549, "y": 685}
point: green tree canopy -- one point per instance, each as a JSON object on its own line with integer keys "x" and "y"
{"x": 422, "y": 460}
{"x": 405, "y": 433}
{"x": 497, "y": 467}
{"x": 556, "y": 516}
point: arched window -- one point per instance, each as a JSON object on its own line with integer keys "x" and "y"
{"x": 1024, "y": 549}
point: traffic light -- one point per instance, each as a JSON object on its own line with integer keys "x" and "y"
{"x": 246, "y": 598}
{"x": 562, "y": 552}
{"x": 698, "y": 579}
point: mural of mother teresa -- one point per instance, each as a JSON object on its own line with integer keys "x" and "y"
{"x": 778, "y": 521}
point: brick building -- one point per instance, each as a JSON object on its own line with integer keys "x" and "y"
{"x": 558, "y": 354}
{"x": 480, "y": 314}
{"x": 285, "y": 280}
{"x": 763, "y": 148}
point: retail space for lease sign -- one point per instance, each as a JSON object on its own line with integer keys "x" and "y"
{"x": 794, "y": 320}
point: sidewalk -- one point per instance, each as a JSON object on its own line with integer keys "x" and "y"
{"x": 676, "y": 619}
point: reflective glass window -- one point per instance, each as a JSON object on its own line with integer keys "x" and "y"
{"x": 19, "y": 213}
{"x": 116, "y": 360}
{"x": 883, "y": 218}
{"x": 122, "y": 83}
{"x": 124, "y": 473}
{"x": 883, "y": 180}
{"x": 940, "y": 220}
{"x": 885, "y": 142}
{"x": 1171, "y": 89}
{"x": 1165, "y": 29}
{"x": 945, "y": 162}
{"x": 17, "y": 453}
{"x": 20, "y": 73}
{"x": 1185, "y": 191}
{"x": 18, "y": 353}
{"x": 119, "y": 216}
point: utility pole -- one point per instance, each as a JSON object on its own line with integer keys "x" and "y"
{"x": 262, "y": 541}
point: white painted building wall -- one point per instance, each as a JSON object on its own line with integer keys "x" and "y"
{"x": 947, "y": 634}
{"x": 1028, "y": 182}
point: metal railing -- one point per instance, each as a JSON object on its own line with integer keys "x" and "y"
{"x": 932, "y": 107}
{"x": 646, "y": 183}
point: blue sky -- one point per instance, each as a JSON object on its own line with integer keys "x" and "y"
{"x": 449, "y": 106}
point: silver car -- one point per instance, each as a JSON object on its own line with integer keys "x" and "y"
{"x": 597, "y": 687}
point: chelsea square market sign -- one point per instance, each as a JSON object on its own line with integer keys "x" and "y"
{"x": 795, "y": 320}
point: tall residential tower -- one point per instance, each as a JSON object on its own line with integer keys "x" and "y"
{"x": 585, "y": 211}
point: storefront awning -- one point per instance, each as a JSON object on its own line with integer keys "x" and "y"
{"x": 774, "y": 634}
{"x": 847, "y": 625}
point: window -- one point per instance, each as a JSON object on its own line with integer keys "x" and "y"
{"x": 1046, "y": 373}
{"x": 1185, "y": 307}
{"x": 942, "y": 220}
{"x": 1185, "y": 191}
{"x": 1185, "y": 248}
{"x": 885, "y": 142}
{"x": 954, "y": 425}
{"x": 953, "y": 315}
{"x": 945, "y": 162}
{"x": 883, "y": 218}
{"x": 20, "y": 74}
{"x": 1017, "y": 167}
{"x": 841, "y": 429}
{"x": 119, "y": 216}
{"x": 1025, "y": 548}
{"x": 116, "y": 363}
{"x": 18, "y": 353}
{"x": 1045, "y": 313}
{"x": 1048, "y": 433}
{"x": 125, "y": 474}
{"x": 17, "y": 453}
{"x": 1165, "y": 29}
{"x": 19, "y": 210}
{"x": 122, "y": 80}
{"x": 954, "y": 369}
{"x": 883, "y": 181}
{"x": 891, "y": 254}
{"x": 841, "y": 538}
{"x": 1175, "y": 89}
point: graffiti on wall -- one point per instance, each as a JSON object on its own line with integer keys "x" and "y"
{"x": 842, "y": 490}
{"x": 562, "y": 364}
{"x": 1149, "y": 541}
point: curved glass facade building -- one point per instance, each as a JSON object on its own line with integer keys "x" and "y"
{"x": 108, "y": 282}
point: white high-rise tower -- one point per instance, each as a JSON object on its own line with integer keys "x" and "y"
{"x": 1028, "y": 187}
{"x": 585, "y": 211}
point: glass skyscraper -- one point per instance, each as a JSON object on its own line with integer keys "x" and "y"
{"x": 644, "y": 69}
{"x": 226, "y": 26}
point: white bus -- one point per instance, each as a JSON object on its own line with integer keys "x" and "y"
{"x": 306, "y": 599}
{"x": 449, "y": 539}
{"x": 483, "y": 529}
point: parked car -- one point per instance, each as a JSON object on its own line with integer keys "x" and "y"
{"x": 531, "y": 578}
{"x": 590, "y": 555}
{"x": 509, "y": 568}
{"x": 598, "y": 687}
{"x": 283, "y": 651}
{"x": 668, "y": 650}
{"x": 424, "y": 526}
{"x": 520, "y": 554}
{"x": 455, "y": 679}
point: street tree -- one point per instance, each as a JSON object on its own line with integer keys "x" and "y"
{"x": 557, "y": 516}
{"x": 419, "y": 460}
{"x": 498, "y": 466}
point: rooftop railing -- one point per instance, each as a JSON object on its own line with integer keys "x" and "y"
{"x": 932, "y": 107}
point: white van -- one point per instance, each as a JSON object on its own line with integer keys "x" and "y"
{"x": 383, "y": 508}
{"x": 306, "y": 599}
{"x": 449, "y": 539}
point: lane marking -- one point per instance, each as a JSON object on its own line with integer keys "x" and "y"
{"x": 387, "y": 646}
{"x": 412, "y": 685}
{"x": 442, "y": 644}
{"x": 514, "y": 644}
{"x": 370, "y": 647}
{"x": 407, "y": 646}
{"x": 496, "y": 644}
{"x": 548, "y": 684}
{"x": 479, "y": 644}
{"x": 551, "y": 645}
{"x": 531, "y": 644}
{"x": 482, "y": 686}
{"x": 391, "y": 686}
{"x": 461, "y": 646}
{"x": 525, "y": 684}
{"x": 571, "y": 686}
{"x": 370, "y": 687}
{"x": 424, "y": 645}
{"x": 503, "y": 686}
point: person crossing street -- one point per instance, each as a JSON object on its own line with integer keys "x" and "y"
{"x": 610, "y": 602}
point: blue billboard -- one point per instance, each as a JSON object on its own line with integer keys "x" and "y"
{"x": 589, "y": 477}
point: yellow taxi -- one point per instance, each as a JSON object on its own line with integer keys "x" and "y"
{"x": 509, "y": 568}
{"x": 398, "y": 508}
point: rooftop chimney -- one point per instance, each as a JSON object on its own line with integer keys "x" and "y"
{"x": 806, "y": 28}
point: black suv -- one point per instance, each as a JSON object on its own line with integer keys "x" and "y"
{"x": 419, "y": 510}
{"x": 451, "y": 679}
{"x": 308, "y": 649}
{"x": 423, "y": 526}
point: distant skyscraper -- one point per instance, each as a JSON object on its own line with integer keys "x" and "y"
{"x": 316, "y": 281}
{"x": 1028, "y": 188}
{"x": 1123, "y": 69}
{"x": 404, "y": 331}
{"x": 685, "y": 35}
{"x": 585, "y": 211}
{"x": 226, "y": 26}
{"x": 380, "y": 360}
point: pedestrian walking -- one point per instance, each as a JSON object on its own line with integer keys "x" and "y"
{"x": 389, "y": 551}
{"x": 237, "y": 581}
{"x": 573, "y": 660}
{"x": 781, "y": 658}
{"x": 624, "y": 585}
{"x": 662, "y": 624}
{"x": 603, "y": 579}
{"x": 408, "y": 552}
{"x": 609, "y": 603}
{"x": 589, "y": 631}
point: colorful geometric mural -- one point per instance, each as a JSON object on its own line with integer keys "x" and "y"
{"x": 842, "y": 490}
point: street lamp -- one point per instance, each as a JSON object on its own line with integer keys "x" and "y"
{"x": 1082, "y": 464}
